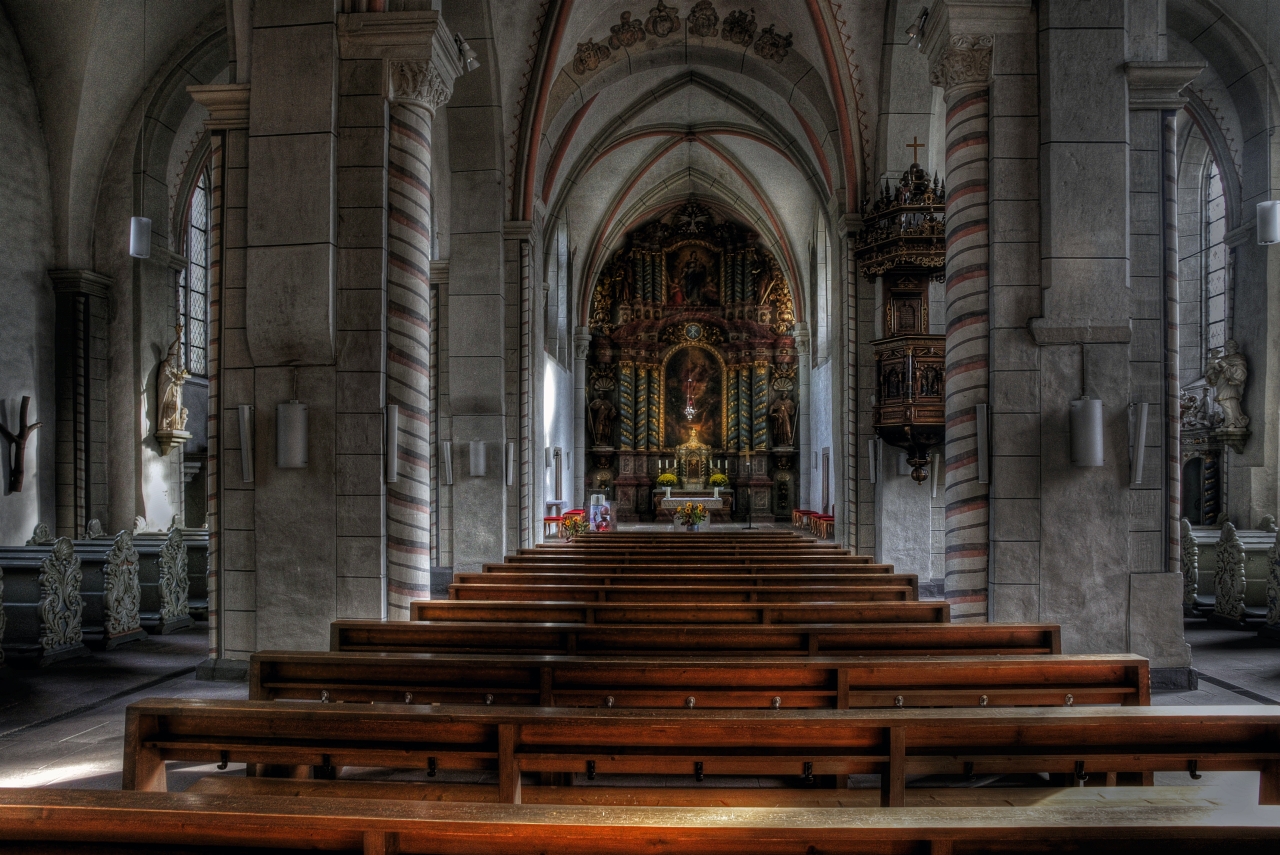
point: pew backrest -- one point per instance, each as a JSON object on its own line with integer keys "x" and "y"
{"x": 672, "y": 613}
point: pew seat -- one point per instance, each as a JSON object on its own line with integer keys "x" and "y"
{"x": 676, "y": 612}
{"x": 803, "y": 744}
{"x": 695, "y": 640}
{"x": 882, "y": 603}
{"x": 767, "y": 580}
{"x": 98, "y": 821}
{"x": 643, "y": 682}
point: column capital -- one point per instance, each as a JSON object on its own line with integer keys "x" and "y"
{"x": 962, "y": 63}
{"x": 81, "y": 282}
{"x": 581, "y": 342}
{"x": 227, "y": 103}
{"x": 1159, "y": 85}
{"x": 418, "y": 51}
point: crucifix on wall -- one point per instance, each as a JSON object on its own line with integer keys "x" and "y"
{"x": 18, "y": 443}
{"x": 915, "y": 145}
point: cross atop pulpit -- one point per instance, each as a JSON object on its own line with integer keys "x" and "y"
{"x": 915, "y": 145}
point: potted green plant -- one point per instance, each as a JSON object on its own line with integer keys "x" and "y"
{"x": 666, "y": 481}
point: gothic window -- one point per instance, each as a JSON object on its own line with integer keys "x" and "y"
{"x": 1214, "y": 260}
{"x": 820, "y": 293}
{"x": 193, "y": 283}
{"x": 556, "y": 293}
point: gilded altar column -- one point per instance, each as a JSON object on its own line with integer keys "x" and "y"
{"x": 417, "y": 90}
{"x": 655, "y": 394}
{"x": 642, "y": 408}
{"x": 760, "y": 408}
{"x": 962, "y": 67}
{"x": 626, "y": 405}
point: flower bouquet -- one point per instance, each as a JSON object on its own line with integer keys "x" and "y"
{"x": 574, "y": 525}
{"x": 690, "y": 515}
{"x": 666, "y": 481}
{"x": 718, "y": 482}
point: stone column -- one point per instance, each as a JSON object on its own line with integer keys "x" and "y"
{"x": 581, "y": 348}
{"x": 417, "y": 89}
{"x": 230, "y": 549}
{"x": 804, "y": 471}
{"x": 962, "y": 67}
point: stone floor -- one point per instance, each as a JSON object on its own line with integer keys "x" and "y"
{"x": 64, "y": 726}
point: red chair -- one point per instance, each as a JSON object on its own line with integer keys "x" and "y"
{"x": 551, "y": 526}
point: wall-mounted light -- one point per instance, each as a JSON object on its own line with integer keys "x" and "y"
{"x": 446, "y": 461}
{"x": 1086, "y": 431}
{"x": 140, "y": 237}
{"x": 466, "y": 53}
{"x": 478, "y": 462}
{"x": 393, "y": 443}
{"x": 873, "y": 460}
{"x": 935, "y": 472}
{"x": 916, "y": 30}
{"x": 291, "y": 435}
{"x": 1138, "y": 455}
{"x": 511, "y": 463}
{"x": 1268, "y": 223}
{"x": 547, "y": 457}
{"x": 246, "y": 442}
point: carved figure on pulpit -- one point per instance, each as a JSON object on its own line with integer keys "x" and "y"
{"x": 601, "y": 414}
{"x": 1227, "y": 373}
{"x": 783, "y": 414}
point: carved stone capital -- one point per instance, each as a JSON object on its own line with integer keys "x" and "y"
{"x": 417, "y": 81}
{"x": 227, "y": 103}
{"x": 964, "y": 64}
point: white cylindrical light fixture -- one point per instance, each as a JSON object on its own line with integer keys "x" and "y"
{"x": 140, "y": 237}
{"x": 1139, "y": 457}
{"x": 511, "y": 463}
{"x": 446, "y": 461}
{"x": 1268, "y": 223}
{"x": 1086, "y": 432}
{"x": 291, "y": 435}
{"x": 393, "y": 443}
{"x": 246, "y": 442}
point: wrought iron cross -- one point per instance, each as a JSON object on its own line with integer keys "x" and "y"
{"x": 20, "y": 441}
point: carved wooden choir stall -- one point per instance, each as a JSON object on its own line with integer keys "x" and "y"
{"x": 904, "y": 243}
{"x": 692, "y": 368}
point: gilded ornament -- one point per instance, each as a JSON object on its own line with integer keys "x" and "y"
{"x": 702, "y": 20}
{"x": 739, "y": 27}
{"x": 626, "y": 32}
{"x": 663, "y": 20}
{"x": 773, "y": 46}
{"x": 589, "y": 56}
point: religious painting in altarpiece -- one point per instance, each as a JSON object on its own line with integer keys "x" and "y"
{"x": 692, "y": 340}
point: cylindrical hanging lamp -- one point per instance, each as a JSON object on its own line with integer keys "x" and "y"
{"x": 1268, "y": 223}
{"x": 140, "y": 237}
{"x": 1086, "y": 432}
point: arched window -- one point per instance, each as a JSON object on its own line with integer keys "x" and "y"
{"x": 556, "y": 293}
{"x": 193, "y": 286}
{"x": 1213, "y": 260}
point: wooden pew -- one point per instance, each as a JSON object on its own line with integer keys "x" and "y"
{"x": 763, "y": 568}
{"x": 765, "y": 580}
{"x": 803, "y": 743}
{"x": 818, "y": 682}
{"x": 892, "y": 601}
{"x": 695, "y": 640}
{"x": 676, "y": 613}
{"x": 75, "y": 821}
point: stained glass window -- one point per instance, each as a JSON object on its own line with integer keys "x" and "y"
{"x": 193, "y": 287}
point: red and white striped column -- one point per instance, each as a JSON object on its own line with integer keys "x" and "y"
{"x": 417, "y": 91}
{"x": 964, "y": 71}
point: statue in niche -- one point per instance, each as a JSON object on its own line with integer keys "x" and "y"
{"x": 171, "y": 430}
{"x": 783, "y": 414}
{"x": 600, "y": 415}
{"x": 172, "y": 376}
{"x": 930, "y": 381}
{"x": 1227, "y": 373}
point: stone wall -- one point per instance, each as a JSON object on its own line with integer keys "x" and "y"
{"x": 26, "y": 324}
